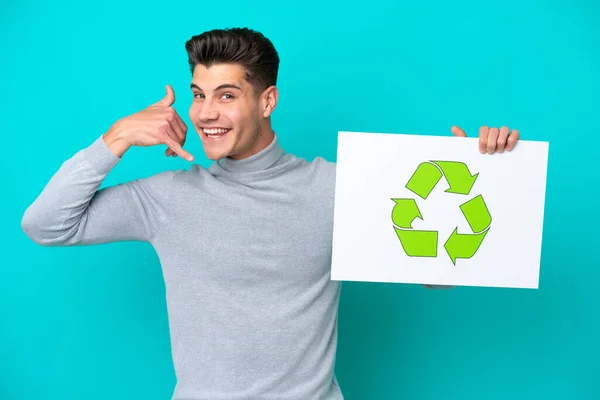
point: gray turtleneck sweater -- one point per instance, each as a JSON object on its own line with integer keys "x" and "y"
{"x": 245, "y": 248}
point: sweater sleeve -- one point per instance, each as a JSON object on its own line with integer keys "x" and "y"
{"x": 72, "y": 210}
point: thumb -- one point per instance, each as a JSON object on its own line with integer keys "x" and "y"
{"x": 169, "y": 98}
{"x": 458, "y": 131}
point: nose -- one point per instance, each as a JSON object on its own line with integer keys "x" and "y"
{"x": 208, "y": 112}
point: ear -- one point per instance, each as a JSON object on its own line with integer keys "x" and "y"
{"x": 268, "y": 101}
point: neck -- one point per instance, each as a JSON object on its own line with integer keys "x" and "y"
{"x": 263, "y": 139}
{"x": 267, "y": 154}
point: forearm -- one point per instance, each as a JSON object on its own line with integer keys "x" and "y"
{"x": 54, "y": 216}
{"x": 115, "y": 142}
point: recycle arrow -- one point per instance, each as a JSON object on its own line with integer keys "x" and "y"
{"x": 461, "y": 245}
{"x": 479, "y": 219}
{"x": 428, "y": 174}
{"x": 415, "y": 243}
{"x": 421, "y": 243}
{"x": 424, "y": 179}
{"x": 458, "y": 176}
{"x": 404, "y": 212}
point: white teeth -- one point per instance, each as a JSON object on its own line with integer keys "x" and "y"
{"x": 215, "y": 131}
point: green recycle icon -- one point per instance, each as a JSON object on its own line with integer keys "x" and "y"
{"x": 424, "y": 243}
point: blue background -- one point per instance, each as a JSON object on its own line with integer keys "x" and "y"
{"x": 90, "y": 322}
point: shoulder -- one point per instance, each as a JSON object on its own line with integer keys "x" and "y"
{"x": 320, "y": 166}
{"x": 318, "y": 174}
{"x": 324, "y": 170}
{"x": 169, "y": 180}
{"x": 325, "y": 165}
{"x": 161, "y": 179}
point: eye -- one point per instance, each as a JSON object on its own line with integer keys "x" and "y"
{"x": 198, "y": 94}
{"x": 228, "y": 94}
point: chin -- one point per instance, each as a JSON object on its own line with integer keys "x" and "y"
{"x": 216, "y": 149}
{"x": 215, "y": 154}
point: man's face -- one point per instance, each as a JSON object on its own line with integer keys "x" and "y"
{"x": 230, "y": 118}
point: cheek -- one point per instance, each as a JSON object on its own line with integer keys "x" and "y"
{"x": 235, "y": 116}
{"x": 192, "y": 112}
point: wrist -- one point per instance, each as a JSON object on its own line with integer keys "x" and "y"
{"x": 115, "y": 142}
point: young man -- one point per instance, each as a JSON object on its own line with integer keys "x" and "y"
{"x": 245, "y": 245}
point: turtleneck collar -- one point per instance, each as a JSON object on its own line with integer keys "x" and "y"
{"x": 257, "y": 162}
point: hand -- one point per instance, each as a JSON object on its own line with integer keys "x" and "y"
{"x": 428, "y": 286}
{"x": 157, "y": 124}
{"x": 492, "y": 140}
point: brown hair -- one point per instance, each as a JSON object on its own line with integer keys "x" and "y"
{"x": 243, "y": 46}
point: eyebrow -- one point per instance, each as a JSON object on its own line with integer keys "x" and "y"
{"x": 223, "y": 86}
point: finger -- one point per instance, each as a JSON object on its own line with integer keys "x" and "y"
{"x": 176, "y": 147}
{"x": 178, "y": 133}
{"x": 174, "y": 131}
{"x": 456, "y": 131}
{"x": 171, "y": 130}
{"x": 182, "y": 126}
{"x": 169, "y": 98}
{"x": 512, "y": 139}
{"x": 170, "y": 153}
{"x": 178, "y": 127}
{"x": 492, "y": 140}
{"x": 483, "y": 137}
{"x": 502, "y": 137}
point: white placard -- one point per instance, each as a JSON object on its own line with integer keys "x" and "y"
{"x": 481, "y": 215}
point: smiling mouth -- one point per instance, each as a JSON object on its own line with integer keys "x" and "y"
{"x": 215, "y": 133}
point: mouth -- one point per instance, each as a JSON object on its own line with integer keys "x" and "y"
{"x": 215, "y": 133}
